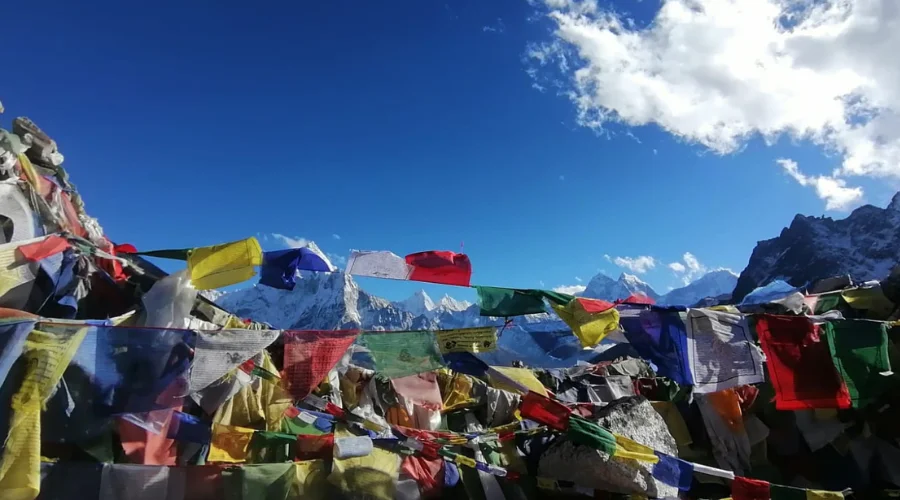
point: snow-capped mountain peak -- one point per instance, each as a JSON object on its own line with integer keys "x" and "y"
{"x": 420, "y": 303}
{"x": 712, "y": 284}
{"x": 603, "y": 287}
{"x": 450, "y": 304}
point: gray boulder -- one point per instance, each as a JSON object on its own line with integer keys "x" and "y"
{"x": 632, "y": 417}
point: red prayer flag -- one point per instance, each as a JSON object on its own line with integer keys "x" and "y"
{"x": 637, "y": 298}
{"x": 545, "y": 411}
{"x": 429, "y": 474}
{"x": 44, "y": 248}
{"x": 443, "y": 267}
{"x": 311, "y": 447}
{"x": 800, "y": 364}
{"x": 310, "y": 355}
{"x": 743, "y": 488}
{"x": 594, "y": 305}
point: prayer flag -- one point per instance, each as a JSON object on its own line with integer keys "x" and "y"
{"x": 310, "y": 355}
{"x": 226, "y": 264}
{"x": 743, "y": 488}
{"x": 589, "y": 320}
{"x": 221, "y": 351}
{"x": 398, "y": 354}
{"x": 43, "y": 248}
{"x": 507, "y": 302}
{"x": 188, "y": 428}
{"x": 673, "y": 471}
{"x": 859, "y": 349}
{"x": 800, "y": 365}
{"x": 378, "y": 265}
{"x": 142, "y": 482}
{"x": 279, "y": 268}
{"x": 637, "y": 299}
{"x": 870, "y": 300}
{"x": 480, "y": 339}
{"x": 230, "y": 444}
{"x": 659, "y": 337}
{"x": 374, "y": 475}
{"x": 587, "y": 433}
{"x": 546, "y": 411}
{"x": 434, "y": 266}
{"x": 630, "y": 449}
{"x": 517, "y": 380}
{"x": 721, "y": 351}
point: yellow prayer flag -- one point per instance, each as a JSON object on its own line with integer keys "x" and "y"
{"x": 590, "y": 328}
{"x": 871, "y": 299}
{"x": 464, "y": 460}
{"x": 226, "y": 264}
{"x": 373, "y": 476}
{"x": 310, "y": 481}
{"x": 230, "y": 444}
{"x": 521, "y": 376}
{"x": 626, "y": 448}
{"x": 47, "y": 355}
{"x": 824, "y": 495}
{"x": 482, "y": 339}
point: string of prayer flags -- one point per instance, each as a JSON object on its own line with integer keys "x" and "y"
{"x": 800, "y": 366}
{"x": 721, "y": 351}
{"x": 860, "y": 353}
{"x": 310, "y": 355}
{"x": 479, "y": 339}
{"x": 223, "y": 265}
{"x": 660, "y": 337}
{"x": 398, "y": 354}
{"x": 442, "y": 267}
{"x": 743, "y": 488}
{"x": 590, "y": 319}
{"x": 142, "y": 482}
{"x": 508, "y": 302}
{"x": 279, "y": 268}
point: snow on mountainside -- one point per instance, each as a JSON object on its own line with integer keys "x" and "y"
{"x": 711, "y": 284}
{"x": 865, "y": 245}
{"x": 603, "y": 287}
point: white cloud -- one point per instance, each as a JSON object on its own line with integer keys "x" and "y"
{"x": 295, "y": 242}
{"x": 497, "y": 27}
{"x": 690, "y": 270}
{"x": 607, "y": 257}
{"x": 719, "y": 72}
{"x": 678, "y": 267}
{"x": 562, "y": 177}
{"x": 542, "y": 283}
{"x": 336, "y": 236}
{"x": 537, "y": 86}
{"x": 654, "y": 151}
{"x": 578, "y": 279}
{"x": 639, "y": 265}
{"x": 833, "y": 191}
{"x": 570, "y": 289}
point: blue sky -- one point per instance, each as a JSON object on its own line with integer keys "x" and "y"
{"x": 411, "y": 125}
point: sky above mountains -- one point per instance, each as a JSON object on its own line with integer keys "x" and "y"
{"x": 549, "y": 140}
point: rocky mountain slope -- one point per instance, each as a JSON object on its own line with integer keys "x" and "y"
{"x": 865, "y": 245}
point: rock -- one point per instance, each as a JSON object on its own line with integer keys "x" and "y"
{"x": 632, "y": 417}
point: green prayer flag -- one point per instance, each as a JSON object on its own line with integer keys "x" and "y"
{"x": 266, "y": 481}
{"x": 293, "y": 425}
{"x": 828, "y": 302}
{"x": 585, "y": 432}
{"x": 859, "y": 349}
{"x": 399, "y": 354}
{"x": 557, "y": 298}
{"x": 507, "y": 302}
{"x": 271, "y": 447}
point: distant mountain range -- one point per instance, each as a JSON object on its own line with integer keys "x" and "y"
{"x": 865, "y": 245}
